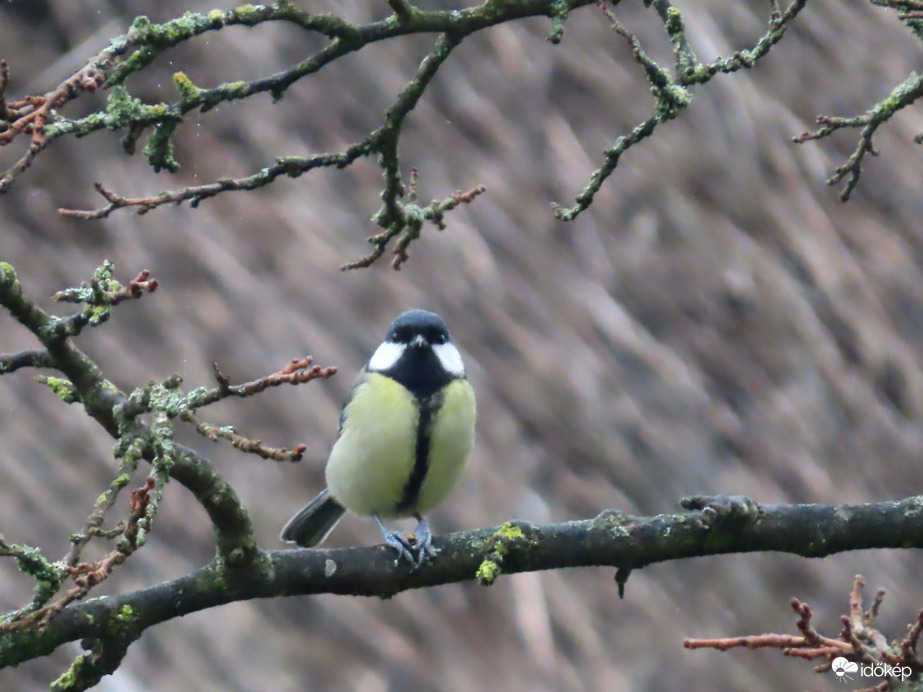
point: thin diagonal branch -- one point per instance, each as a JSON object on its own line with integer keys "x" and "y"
{"x": 296, "y": 372}
{"x": 671, "y": 91}
{"x": 104, "y": 403}
{"x": 902, "y": 96}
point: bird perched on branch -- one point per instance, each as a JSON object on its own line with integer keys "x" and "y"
{"x": 406, "y": 429}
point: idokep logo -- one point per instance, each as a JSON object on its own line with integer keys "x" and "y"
{"x": 842, "y": 669}
{"x": 845, "y": 670}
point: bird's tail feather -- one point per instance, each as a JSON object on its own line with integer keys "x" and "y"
{"x": 313, "y": 523}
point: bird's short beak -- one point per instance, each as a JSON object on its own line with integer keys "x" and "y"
{"x": 419, "y": 341}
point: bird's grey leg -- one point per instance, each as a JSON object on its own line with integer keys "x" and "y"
{"x": 398, "y": 541}
{"x": 423, "y": 545}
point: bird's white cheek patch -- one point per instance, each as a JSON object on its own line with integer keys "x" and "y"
{"x": 385, "y": 356}
{"x": 450, "y": 358}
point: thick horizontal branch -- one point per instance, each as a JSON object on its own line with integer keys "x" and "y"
{"x": 612, "y": 539}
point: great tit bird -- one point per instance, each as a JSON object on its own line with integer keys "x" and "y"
{"x": 406, "y": 429}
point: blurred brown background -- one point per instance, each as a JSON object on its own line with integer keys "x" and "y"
{"x": 718, "y": 322}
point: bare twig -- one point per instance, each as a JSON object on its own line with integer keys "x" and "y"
{"x": 87, "y": 575}
{"x": 92, "y": 526}
{"x": 29, "y": 115}
{"x": 434, "y": 213}
{"x": 245, "y": 444}
{"x": 296, "y": 372}
{"x": 670, "y": 97}
{"x": 104, "y": 290}
{"x": 171, "y": 402}
{"x": 858, "y": 641}
{"x": 903, "y": 95}
{"x": 910, "y": 644}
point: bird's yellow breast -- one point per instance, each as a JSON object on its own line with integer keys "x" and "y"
{"x": 372, "y": 461}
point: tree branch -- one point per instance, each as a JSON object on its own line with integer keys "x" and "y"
{"x": 136, "y": 49}
{"x": 401, "y": 222}
{"x": 671, "y": 92}
{"x": 105, "y": 403}
{"x": 612, "y": 539}
{"x": 860, "y": 641}
{"x": 903, "y": 95}
{"x": 30, "y": 358}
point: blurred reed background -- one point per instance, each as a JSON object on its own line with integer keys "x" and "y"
{"x": 717, "y": 322}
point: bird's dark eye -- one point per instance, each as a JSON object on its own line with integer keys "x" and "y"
{"x": 434, "y": 335}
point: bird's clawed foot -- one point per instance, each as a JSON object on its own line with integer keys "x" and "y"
{"x": 415, "y": 551}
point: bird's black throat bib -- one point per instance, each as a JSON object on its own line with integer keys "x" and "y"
{"x": 420, "y": 371}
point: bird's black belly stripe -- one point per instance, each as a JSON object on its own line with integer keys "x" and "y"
{"x": 429, "y": 406}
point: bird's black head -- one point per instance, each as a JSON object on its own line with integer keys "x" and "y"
{"x": 418, "y": 353}
{"x": 416, "y": 326}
